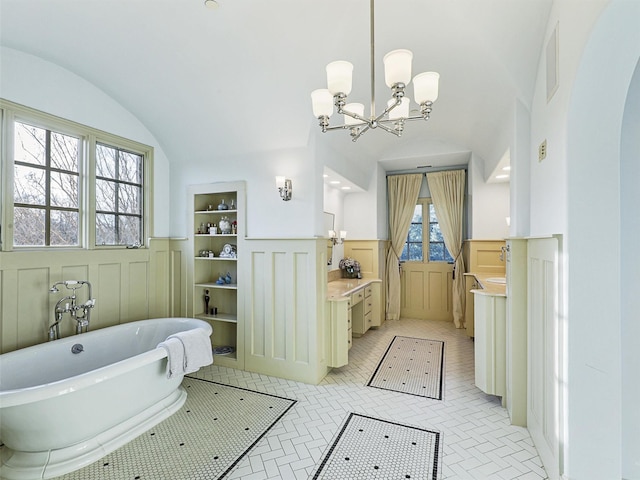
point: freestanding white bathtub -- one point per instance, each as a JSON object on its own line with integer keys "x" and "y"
{"x": 60, "y": 411}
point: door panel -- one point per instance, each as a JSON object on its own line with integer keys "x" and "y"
{"x": 427, "y": 290}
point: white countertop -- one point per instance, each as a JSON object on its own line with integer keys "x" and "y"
{"x": 339, "y": 290}
{"x": 489, "y": 288}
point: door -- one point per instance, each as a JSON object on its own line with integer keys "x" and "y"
{"x": 426, "y": 276}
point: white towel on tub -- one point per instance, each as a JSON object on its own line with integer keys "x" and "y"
{"x": 187, "y": 351}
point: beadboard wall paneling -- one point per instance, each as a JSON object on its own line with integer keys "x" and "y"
{"x": 128, "y": 285}
{"x": 285, "y": 324}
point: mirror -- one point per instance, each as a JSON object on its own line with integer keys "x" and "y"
{"x": 329, "y": 219}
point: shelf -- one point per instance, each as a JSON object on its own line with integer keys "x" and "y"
{"x": 216, "y": 235}
{"x": 228, "y": 286}
{"x": 221, "y": 317}
{"x": 202, "y": 212}
{"x": 217, "y": 258}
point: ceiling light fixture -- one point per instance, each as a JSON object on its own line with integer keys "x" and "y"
{"x": 211, "y": 4}
{"x": 397, "y": 66}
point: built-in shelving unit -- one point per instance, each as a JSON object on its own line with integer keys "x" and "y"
{"x": 215, "y": 268}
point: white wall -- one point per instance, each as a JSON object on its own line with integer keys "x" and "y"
{"x": 598, "y": 355}
{"x": 520, "y": 187}
{"x": 366, "y": 213}
{"x": 630, "y": 280}
{"x": 268, "y": 216}
{"x": 489, "y": 205}
{"x": 42, "y": 85}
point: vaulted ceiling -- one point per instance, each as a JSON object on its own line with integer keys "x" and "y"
{"x": 234, "y": 80}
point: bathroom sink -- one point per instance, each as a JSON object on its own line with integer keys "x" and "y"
{"x": 500, "y": 280}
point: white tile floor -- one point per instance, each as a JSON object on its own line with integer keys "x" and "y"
{"x": 478, "y": 441}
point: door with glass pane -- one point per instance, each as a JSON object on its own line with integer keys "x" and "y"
{"x": 427, "y": 268}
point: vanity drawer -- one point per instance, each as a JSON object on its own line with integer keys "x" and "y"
{"x": 368, "y": 305}
{"x": 368, "y": 319}
{"x": 367, "y": 291}
{"x": 357, "y": 297}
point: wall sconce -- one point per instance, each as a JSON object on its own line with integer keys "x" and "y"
{"x": 337, "y": 239}
{"x": 284, "y": 187}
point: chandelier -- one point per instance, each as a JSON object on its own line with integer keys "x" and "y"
{"x": 397, "y": 74}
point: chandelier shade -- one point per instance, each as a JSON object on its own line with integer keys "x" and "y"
{"x": 358, "y": 109}
{"x": 339, "y": 77}
{"x": 397, "y": 67}
{"x": 401, "y": 111}
{"x": 322, "y": 102}
{"x": 425, "y": 87}
{"x": 397, "y": 74}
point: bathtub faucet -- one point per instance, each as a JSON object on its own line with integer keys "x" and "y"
{"x": 81, "y": 313}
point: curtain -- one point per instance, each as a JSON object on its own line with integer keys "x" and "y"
{"x": 403, "y": 191}
{"x": 447, "y": 195}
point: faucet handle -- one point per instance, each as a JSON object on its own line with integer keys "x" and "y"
{"x": 90, "y": 303}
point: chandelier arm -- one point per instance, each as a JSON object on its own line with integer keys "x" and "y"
{"x": 354, "y": 115}
{"x": 389, "y": 130}
{"x": 359, "y": 134}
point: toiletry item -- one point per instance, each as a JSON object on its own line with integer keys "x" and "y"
{"x": 223, "y": 206}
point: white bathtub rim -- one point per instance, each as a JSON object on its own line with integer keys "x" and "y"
{"x": 26, "y": 395}
{"x": 30, "y": 465}
{"x": 23, "y": 396}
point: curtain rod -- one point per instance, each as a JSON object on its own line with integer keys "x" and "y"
{"x": 427, "y": 170}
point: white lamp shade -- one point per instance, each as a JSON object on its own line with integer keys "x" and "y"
{"x": 339, "y": 75}
{"x": 425, "y": 87}
{"x": 343, "y": 234}
{"x": 397, "y": 67}
{"x": 332, "y": 234}
{"x": 401, "y": 111}
{"x": 322, "y": 103}
{"x": 357, "y": 108}
{"x": 280, "y": 181}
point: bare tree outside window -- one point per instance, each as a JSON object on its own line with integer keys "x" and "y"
{"x": 425, "y": 231}
{"x": 46, "y": 187}
{"x": 119, "y": 196}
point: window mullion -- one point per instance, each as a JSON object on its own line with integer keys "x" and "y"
{"x": 47, "y": 189}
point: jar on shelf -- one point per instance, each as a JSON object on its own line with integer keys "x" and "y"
{"x": 225, "y": 225}
{"x": 223, "y": 206}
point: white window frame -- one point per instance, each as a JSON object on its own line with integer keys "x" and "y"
{"x": 11, "y": 112}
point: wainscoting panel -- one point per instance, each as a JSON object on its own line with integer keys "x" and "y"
{"x": 108, "y": 296}
{"x": 284, "y": 308}
{"x": 131, "y": 284}
{"x": 545, "y": 355}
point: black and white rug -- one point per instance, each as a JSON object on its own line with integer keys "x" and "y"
{"x": 370, "y": 448}
{"x": 215, "y": 428}
{"x": 411, "y": 365}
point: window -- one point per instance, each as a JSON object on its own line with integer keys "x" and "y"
{"x": 69, "y": 185}
{"x": 424, "y": 239}
{"x": 118, "y": 196}
{"x": 46, "y": 187}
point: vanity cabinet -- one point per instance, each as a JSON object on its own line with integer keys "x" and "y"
{"x": 470, "y": 283}
{"x": 353, "y": 309}
{"x": 490, "y": 344}
{"x": 215, "y": 267}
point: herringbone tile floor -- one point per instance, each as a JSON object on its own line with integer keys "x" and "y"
{"x": 479, "y": 442}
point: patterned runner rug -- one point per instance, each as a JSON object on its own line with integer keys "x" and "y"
{"x": 368, "y": 448}
{"x": 411, "y": 365}
{"x": 205, "y": 439}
